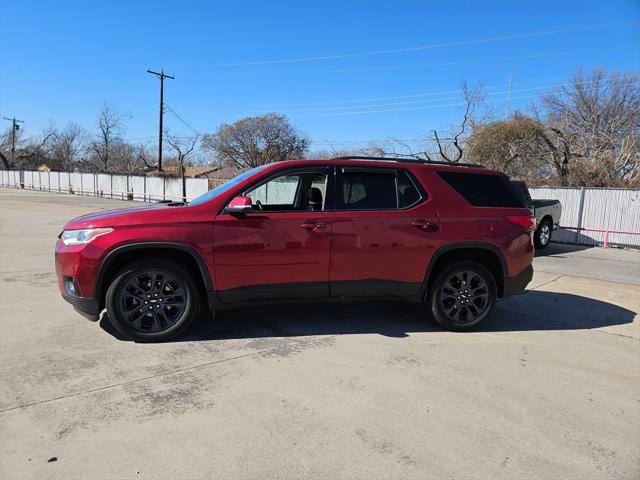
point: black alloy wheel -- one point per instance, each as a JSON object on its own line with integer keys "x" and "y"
{"x": 462, "y": 295}
{"x": 152, "y": 300}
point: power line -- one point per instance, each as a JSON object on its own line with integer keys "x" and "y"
{"x": 354, "y": 108}
{"x": 266, "y": 108}
{"x": 404, "y": 106}
{"x": 184, "y": 122}
{"x": 410, "y": 66}
{"x": 161, "y": 75}
{"x": 410, "y": 49}
{"x": 554, "y": 81}
{"x": 148, "y": 137}
{"x": 386, "y": 141}
{"x": 389, "y": 110}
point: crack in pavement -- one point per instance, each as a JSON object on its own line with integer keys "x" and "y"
{"x": 129, "y": 382}
{"x": 547, "y": 283}
{"x": 583, "y": 276}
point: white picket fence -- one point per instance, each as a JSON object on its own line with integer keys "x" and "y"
{"x": 595, "y": 215}
{"x": 125, "y": 187}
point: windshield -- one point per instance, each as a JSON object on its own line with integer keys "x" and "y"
{"x": 220, "y": 189}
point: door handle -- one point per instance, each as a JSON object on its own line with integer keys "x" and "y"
{"x": 313, "y": 226}
{"x": 425, "y": 225}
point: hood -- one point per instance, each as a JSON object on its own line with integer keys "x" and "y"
{"x": 120, "y": 217}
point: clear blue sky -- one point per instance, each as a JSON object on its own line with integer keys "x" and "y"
{"x": 61, "y": 60}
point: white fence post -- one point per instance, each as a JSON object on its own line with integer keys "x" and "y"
{"x": 580, "y": 213}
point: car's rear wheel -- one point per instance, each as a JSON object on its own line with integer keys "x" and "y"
{"x": 152, "y": 300}
{"x": 462, "y": 296}
{"x": 542, "y": 236}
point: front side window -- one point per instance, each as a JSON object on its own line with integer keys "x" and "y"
{"x": 220, "y": 189}
{"x": 291, "y": 192}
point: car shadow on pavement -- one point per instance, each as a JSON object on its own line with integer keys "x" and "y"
{"x": 558, "y": 249}
{"x": 530, "y": 311}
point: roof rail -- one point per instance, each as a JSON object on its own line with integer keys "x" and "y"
{"x": 409, "y": 159}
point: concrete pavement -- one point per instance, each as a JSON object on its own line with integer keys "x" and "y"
{"x": 548, "y": 388}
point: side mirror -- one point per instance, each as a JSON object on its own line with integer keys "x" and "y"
{"x": 239, "y": 204}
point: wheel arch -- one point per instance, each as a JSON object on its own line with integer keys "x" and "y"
{"x": 547, "y": 218}
{"x": 485, "y": 254}
{"x": 124, "y": 254}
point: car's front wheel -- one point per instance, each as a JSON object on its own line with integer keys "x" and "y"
{"x": 462, "y": 296}
{"x": 152, "y": 300}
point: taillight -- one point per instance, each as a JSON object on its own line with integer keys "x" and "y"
{"x": 525, "y": 221}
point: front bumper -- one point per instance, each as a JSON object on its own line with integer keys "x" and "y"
{"x": 78, "y": 264}
{"x": 87, "y": 307}
{"x": 517, "y": 283}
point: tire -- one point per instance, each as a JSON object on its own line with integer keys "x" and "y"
{"x": 542, "y": 237}
{"x": 152, "y": 300}
{"x": 453, "y": 306}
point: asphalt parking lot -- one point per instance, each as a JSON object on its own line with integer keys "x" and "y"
{"x": 548, "y": 388}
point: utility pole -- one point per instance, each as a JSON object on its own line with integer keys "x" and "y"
{"x": 161, "y": 75}
{"x": 14, "y": 128}
{"x": 506, "y": 105}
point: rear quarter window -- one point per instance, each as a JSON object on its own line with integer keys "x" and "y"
{"x": 408, "y": 194}
{"x": 484, "y": 190}
{"x": 521, "y": 191}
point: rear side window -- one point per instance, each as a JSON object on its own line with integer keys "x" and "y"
{"x": 377, "y": 189}
{"x": 367, "y": 191}
{"x": 483, "y": 190}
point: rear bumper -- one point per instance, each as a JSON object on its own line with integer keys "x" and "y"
{"x": 87, "y": 307}
{"x": 517, "y": 283}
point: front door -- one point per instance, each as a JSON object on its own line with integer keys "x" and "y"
{"x": 280, "y": 249}
{"x": 385, "y": 232}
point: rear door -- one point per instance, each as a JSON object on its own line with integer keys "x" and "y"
{"x": 279, "y": 250}
{"x": 385, "y": 230}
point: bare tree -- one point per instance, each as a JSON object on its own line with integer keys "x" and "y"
{"x": 593, "y": 127}
{"x": 110, "y": 127}
{"x": 451, "y": 148}
{"x": 254, "y": 141}
{"x": 124, "y": 158}
{"x": 334, "y": 152}
{"x": 5, "y": 146}
{"x": 517, "y": 146}
{"x": 183, "y": 147}
{"x": 448, "y": 148}
{"x": 68, "y": 146}
{"x": 29, "y": 152}
{"x": 325, "y": 154}
{"x": 145, "y": 154}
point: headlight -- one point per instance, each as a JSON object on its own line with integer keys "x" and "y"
{"x": 80, "y": 237}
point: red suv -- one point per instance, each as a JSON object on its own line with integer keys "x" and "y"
{"x": 453, "y": 237}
